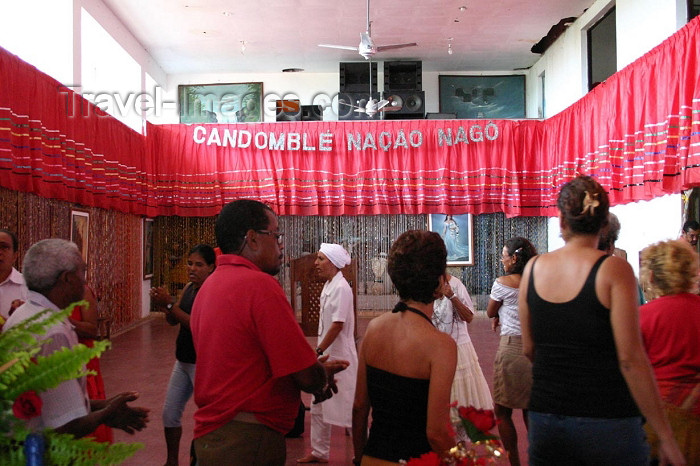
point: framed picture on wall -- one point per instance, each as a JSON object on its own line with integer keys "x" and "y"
{"x": 458, "y": 234}
{"x": 221, "y": 103}
{"x": 79, "y": 231}
{"x": 147, "y": 248}
{"x": 480, "y": 97}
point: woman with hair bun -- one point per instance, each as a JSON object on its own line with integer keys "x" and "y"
{"x": 671, "y": 332}
{"x": 406, "y": 365}
{"x": 580, "y": 324}
{"x": 512, "y": 378}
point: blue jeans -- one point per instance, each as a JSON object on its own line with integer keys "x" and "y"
{"x": 570, "y": 440}
{"x": 180, "y": 390}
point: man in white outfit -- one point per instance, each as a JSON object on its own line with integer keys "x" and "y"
{"x": 336, "y": 326}
{"x": 13, "y": 290}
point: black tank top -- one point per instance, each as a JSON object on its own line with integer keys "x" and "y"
{"x": 575, "y": 369}
{"x": 184, "y": 347}
{"x": 399, "y": 416}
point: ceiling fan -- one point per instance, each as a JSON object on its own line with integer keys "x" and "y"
{"x": 367, "y": 47}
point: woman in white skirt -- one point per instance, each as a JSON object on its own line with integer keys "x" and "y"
{"x": 451, "y": 313}
{"x": 512, "y": 370}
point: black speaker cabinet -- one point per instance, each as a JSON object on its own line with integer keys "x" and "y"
{"x": 354, "y": 76}
{"x": 346, "y": 112}
{"x": 311, "y": 113}
{"x": 412, "y": 105}
{"x": 403, "y": 75}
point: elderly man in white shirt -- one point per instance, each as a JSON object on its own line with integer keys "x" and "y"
{"x": 336, "y": 338}
{"x": 55, "y": 274}
{"x": 12, "y": 286}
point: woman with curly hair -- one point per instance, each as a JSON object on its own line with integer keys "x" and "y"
{"x": 406, "y": 365}
{"x": 591, "y": 380}
{"x": 671, "y": 332}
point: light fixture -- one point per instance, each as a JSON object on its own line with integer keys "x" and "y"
{"x": 463, "y": 8}
{"x": 242, "y": 47}
{"x": 449, "y": 49}
{"x": 292, "y": 70}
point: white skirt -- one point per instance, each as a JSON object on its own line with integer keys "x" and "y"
{"x": 469, "y": 387}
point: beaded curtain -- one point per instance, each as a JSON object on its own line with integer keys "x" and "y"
{"x": 114, "y": 263}
{"x": 364, "y": 236}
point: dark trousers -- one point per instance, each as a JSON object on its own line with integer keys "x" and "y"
{"x": 241, "y": 443}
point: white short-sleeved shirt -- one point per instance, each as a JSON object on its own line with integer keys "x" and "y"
{"x": 508, "y": 312}
{"x": 69, "y": 400}
{"x": 12, "y": 288}
{"x": 446, "y": 319}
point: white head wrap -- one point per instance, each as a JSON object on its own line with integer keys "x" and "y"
{"x": 336, "y": 254}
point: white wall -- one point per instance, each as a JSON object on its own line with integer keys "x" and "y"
{"x": 310, "y": 88}
{"x": 642, "y": 223}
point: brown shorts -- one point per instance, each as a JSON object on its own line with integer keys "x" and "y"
{"x": 512, "y": 374}
{"x": 241, "y": 443}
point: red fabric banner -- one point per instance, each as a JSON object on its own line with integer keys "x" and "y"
{"x": 638, "y": 134}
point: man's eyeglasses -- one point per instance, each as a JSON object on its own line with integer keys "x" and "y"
{"x": 278, "y": 236}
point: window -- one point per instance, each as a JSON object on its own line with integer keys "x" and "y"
{"x": 602, "y": 50}
{"x": 693, "y": 9}
{"x": 542, "y": 108}
{"x": 40, "y": 32}
{"x": 111, "y": 78}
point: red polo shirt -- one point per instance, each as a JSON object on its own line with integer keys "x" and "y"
{"x": 248, "y": 342}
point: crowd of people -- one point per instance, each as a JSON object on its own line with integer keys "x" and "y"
{"x": 599, "y": 377}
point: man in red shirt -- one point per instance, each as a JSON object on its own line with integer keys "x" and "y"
{"x": 252, "y": 357}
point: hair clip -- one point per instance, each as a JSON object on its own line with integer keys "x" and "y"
{"x": 518, "y": 251}
{"x": 590, "y": 202}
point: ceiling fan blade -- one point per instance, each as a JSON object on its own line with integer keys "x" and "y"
{"x": 360, "y": 110}
{"x": 381, "y": 48}
{"x": 382, "y": 103}
{"x": 341, "y": 47}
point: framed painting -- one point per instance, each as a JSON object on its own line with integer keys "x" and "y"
{"x": 79, "y": 231}
{"x": 458, "y": 234}
{"x": 221, "y": 103}
{"x": 147, "y": 248}
{"x": 480, "y": 97}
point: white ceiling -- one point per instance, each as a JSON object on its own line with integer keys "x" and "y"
{"x": 204, "y": 36}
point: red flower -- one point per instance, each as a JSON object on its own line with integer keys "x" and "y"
{"x": 426, "y": 459}
{"x": 27, "y": 405}
{"x": 483, "y": 419}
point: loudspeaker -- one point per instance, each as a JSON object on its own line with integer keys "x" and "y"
{"x": 288, "y": 110}
{"x": 440, "y": 116}
{"x": 311, "y": 113}
{"x": 346, "y": 112}
{"x": 412, "y": 105}
{"x": 403, "y": 75}
{"x": 354, "y": 76}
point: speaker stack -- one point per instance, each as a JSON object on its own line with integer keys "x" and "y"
{"x": 403, "y": 83}
{"x": 354, "y": 88}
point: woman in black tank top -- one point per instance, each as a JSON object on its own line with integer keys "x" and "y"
{"x": 406, "y": 366}
{"x": 579, "y": 317}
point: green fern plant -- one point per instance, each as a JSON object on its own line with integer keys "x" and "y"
{"x": 22, "y": 370}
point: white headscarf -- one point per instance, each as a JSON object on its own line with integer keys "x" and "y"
{"x": 336, "y": 254}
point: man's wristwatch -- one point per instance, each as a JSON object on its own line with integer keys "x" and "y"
{"x": 169, "y": 306}
{"x": 319, "y": 351}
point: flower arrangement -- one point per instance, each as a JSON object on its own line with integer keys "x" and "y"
{"x": 23, "y": 374}
{"x": 485, "y": 448}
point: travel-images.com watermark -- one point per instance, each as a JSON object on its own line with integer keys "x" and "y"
{"x": 205, "y": 107}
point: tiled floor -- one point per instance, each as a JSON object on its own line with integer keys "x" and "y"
{"x": 142, "y": 358}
